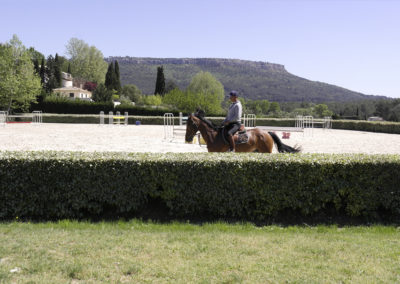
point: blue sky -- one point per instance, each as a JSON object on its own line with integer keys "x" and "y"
{"x": 354, "y": 44}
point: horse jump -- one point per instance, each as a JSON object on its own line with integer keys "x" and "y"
{"x": 111, "y": 117}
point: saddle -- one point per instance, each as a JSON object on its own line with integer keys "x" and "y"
{"x": 239, "y": 137}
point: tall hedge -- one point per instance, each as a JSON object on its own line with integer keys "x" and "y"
{"x": 66, "y": 106}
{"x": 201, "y": 186}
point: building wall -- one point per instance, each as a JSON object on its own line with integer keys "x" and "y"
{"x": 74, "y": 94}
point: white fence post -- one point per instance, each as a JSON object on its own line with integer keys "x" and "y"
{"x": 102, "y": 118}
{"x": 37, "y": 117}
{"x": 110, "y": 118}
{"x": 327, "y": 122}
{"x": 126, "y": 115}
{"x": 299, "y": 122}
{"x": 168, "y": 125}
{"x": 250, "y": 120}
{"x": 309, "y": 123}
{"x": 180, "y": 119}
{"x": 3, "y": 118}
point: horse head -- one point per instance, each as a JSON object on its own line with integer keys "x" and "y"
{"x": 192, "y": 126}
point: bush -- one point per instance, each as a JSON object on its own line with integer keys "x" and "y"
{"x": 358, "y": 125}
{"x": 142, "y": 110}
{"x": 65, "y": 105}
{"x": 371, "y": 126}
{"x": 202, "y": 186}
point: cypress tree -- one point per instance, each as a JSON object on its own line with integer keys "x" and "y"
{"x": 51, "y": 80}
{"x": 109, "y": 77}
{"x": 42, "y": 72}
{"x": 36, "y": 65}
{"x": 69, "y": 68}
{"x": 160, "y": 82}
{"x": 117, "y": 80}
{"x": 57, "y": 72}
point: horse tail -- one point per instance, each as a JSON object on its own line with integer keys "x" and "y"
{"x": 283, "y": 148}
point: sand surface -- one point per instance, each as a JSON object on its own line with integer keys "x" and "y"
{"x": 151, "y": 138}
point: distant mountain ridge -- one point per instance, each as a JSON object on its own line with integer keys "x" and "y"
{"x": 253, "y": 79}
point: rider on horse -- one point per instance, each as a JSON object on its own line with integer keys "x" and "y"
{"x": 232, "y": 122}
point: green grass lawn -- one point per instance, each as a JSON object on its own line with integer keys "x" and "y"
{"x": 140, "y": 252}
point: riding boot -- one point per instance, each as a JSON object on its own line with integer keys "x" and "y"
{"x": 231, "y": 143}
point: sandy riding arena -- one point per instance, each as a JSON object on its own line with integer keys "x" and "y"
{"x": 150, "y": 138}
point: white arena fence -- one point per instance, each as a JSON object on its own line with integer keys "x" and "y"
{"x": 3, "y": 118}
{"x": 116, "y": 119}
{"x": 309, "y": 122}
{"x": 249, "y": 120}
{"x": 101, "y": 118}
{"x": 37, "y": 117}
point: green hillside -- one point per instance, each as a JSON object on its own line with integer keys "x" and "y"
{"x": 254, "y": 80}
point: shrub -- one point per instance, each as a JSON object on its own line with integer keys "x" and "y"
{"x": 142, "y": 110}
{"x": 203, "y": 186}
{"x": 371, "y": 126}
{"x": 65, "y": 105}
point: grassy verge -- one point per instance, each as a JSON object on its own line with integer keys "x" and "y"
{"x": 138, "y": 252}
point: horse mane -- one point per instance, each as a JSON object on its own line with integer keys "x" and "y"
{"x": 200, "y": 115}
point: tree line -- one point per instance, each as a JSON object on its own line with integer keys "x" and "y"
{"x": 28, "y": 77}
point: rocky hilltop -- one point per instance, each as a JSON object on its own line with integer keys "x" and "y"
{"x": 253, "y": 79}
{"x": 207, "y": 62}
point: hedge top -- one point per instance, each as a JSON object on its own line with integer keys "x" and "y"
{"x": 205, "y": 158}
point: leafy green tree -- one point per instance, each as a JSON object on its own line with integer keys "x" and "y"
{"x": 322, "y": 110}
{"x": 152, "y": 100}
{"x": 274, "y": 108}
{"x": 264, "y": 105}
{"x": 102, "y": 94}
{"x": 394, "y": 114}
{"x": 19, "y": 83}
{"x": 124, "y": 100}
{"x": 303, "y": 111}
{"x": 132, "y": 92}
{"x": 35, "y": 55}
{"x": 184, "y": 101}
{"x": 209, "y": 92}
{"x": 170, "y": 85}
{"x": 87, "y": 61}
{"x": 253, "y": 107}
{"x": 160, "y": 82}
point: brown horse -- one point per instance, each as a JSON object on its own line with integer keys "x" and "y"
{"x": 258, "y": 140}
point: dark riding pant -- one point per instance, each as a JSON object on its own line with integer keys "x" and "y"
{"x": 232, "y": 128}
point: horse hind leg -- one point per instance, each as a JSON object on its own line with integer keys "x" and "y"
{"x": 265, "y": 144}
